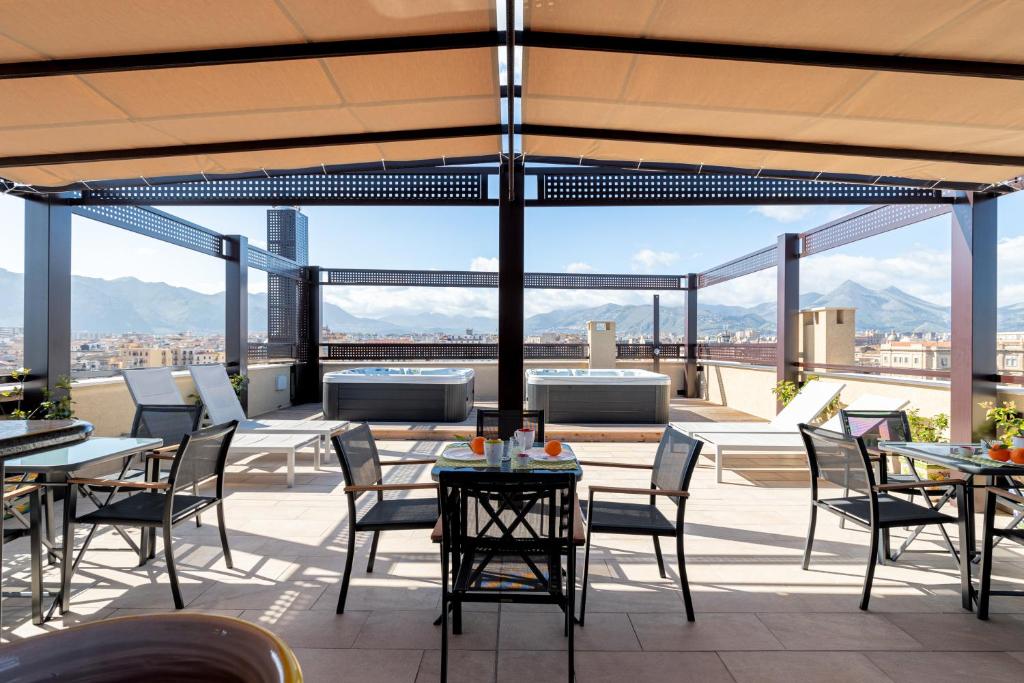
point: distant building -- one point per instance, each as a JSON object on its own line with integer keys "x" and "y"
{"x": 914, "y": 354}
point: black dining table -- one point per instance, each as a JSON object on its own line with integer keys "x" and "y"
{"x": 978, "y": 470}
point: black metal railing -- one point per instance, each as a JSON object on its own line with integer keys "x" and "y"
{"x": 754, "y": 354}
{"x": 391, "y": 351}
{"x": 646, "y": 351}
{"x": 276, "y": 351}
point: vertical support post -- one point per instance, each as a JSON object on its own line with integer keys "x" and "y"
{"x": 236, "y": 307}
{"x": 787, "y": 307}
{"x": 973, "y": 346}
{"x": 657, "y": 333}
{"x": 309, "y": 390}
{"x": 692, "y": 390}
{"x": 511, "y": 214}
{"x": 47, "y": 297}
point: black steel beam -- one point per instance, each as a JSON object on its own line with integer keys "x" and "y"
{"x": 690, "y": 372}
{"x": 796, "y": 146}
{"x": 787, "y": 325}
{"x": 308, "y": 373}
{"x": 771, "y": 55}
{"x": 342, "y": 139}
{"x": 236, "y": 306}
{"x": 510, "y": 74}
{"x": 656, "y": 334}
{"x": 249, "y": 54}
{"x": 973, "y": 315}
{"x": 47, "y": 321}
{"x": 511, "y": 214}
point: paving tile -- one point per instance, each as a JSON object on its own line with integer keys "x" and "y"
{"x": 801, "y": 631}
{"x": 952, "y": 632}
{"x": 272, "y": 596}
{"x": 464, "y": 666}
{"x": 951, "y": 667}
{"x": 311, "y": 628}
{"x": 803, "y": 667}
{"x": 415, "y": 629}
{"x": 534, "y": 667}
{"x": 673, "y": 632}
{"x": 678, "y": 667}
{"x": 358, "y": 666}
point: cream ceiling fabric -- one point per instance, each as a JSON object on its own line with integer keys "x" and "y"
{"x": 783, "y": 102}
{"x": 239, "y": 102}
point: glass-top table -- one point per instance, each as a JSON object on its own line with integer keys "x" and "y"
{"x": 81, "y": 455}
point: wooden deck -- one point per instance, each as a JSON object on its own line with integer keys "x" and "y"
{"x": 682, "y": 410}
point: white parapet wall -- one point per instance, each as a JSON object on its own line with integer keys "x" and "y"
{"x": 106, "y": 403}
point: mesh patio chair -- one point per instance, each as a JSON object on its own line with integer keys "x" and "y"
{"x": 670, "y": 477}
{"x": 501, "y": 424}
{"x": 529, "y": 526}
{"x": 993, "y": 496}
{"x": 361, "y": 466}
{"x": 200, "y": 458}
{"x": 841, "y": 463}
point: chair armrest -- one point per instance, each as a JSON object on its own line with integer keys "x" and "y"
{"x": 20, "y": 491}
{"x": 165, "y": 453}
{"x": 437, "y": 534}
{"x": 390, "y": 487}
{"x": 579, "y": 529}
{"x": 920, "y": 485}
{"x": 1003, "y": 493}
{"x": 639, "y": 491}
{"x": 418, "y": 461}
{"x": 605, "y": 463}
{"x": 121, "y": 483}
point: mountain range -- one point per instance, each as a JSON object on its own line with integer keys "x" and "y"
{"x": 131, "y": 305}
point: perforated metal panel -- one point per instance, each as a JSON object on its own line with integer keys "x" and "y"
{"x": 467, "y": 278}
{"x": 270, "y": 263}
{"x": 867, "y": 223}
{"x": 642, "y": 351}
{"x": 307, "y": 190}
{"x": 755, "y": 354}
{"x": 665, "y": 188}
{"x": 288, "y": 234}
{"x": 145, "y": 220}
{"x": 375, "y": 351}
{"x": 744, "y": 265}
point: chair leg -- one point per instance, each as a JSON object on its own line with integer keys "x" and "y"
{"x": 195, "y": 492}
{"x": 986, "y": 556}
{"x": 68, "y": 560}
{"x": 661, "y": 560}
{"x": 171, "y": 571}
{"x": 684, "y": 582}
{"x": 36, "y": 544}
{"x": 51, "y": 556}
{"x": 570, "y": 610}
{"x": 810, "y": 536}
{"x": 373, "y": 552}
{"x": 869, "y": 575}
{"x": 348, "y": 569}
{"x": 224, "y": 535}
{"x": 586, "y": 575}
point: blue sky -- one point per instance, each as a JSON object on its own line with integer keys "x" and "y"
{"x": 623, "y": 240}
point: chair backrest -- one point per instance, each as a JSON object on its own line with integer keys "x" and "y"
{"x": 838, "y": 459}
{"x": 218, "y": 395}
{"x": 675, "y": 461}
{"x": 867, "y": 402}
{"x": 501, "y": 424}
{"x": 360, "y": 461}
{"x": 873, "y": 426}
{"x": 202, "y": 455}
{"x": 168, "y": 422}
{"x": 152, "y": 386}
{"x": 812, "y": 398}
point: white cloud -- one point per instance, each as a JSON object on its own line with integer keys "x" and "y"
{"x": 648, "y": 260}
{"x": 783, "y": 214}
{"x": 485, "y": 264}
{"x": 578, "y": 267}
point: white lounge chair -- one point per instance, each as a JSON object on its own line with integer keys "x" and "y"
{"x": 805, "y": 407}
{"x": 222, "y": 404}
{"x": 152, "y": 387}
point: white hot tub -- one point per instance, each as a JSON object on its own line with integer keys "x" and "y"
{"x": 599, "y": 396}
{"x": 399, "y": 394}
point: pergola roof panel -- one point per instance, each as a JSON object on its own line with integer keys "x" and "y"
{"x": 831, "y": 106}
{"x": 239, "y": 102}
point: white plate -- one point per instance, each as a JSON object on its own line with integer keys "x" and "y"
{"x": 462, "y": 454}
{"x": 537, "y": 453}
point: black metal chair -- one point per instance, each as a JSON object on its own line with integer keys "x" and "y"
{"x": 527, "y": 524}
{"x": 361, "y": 466}
{"x": 201, "y": 457}
{"x": 842, "y": 461}
{"x": 670, "y": 476}
{"x": 501, "y": 424}
{"x": 993, "y": 496}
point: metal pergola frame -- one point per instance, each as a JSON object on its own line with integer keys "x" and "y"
{"x": 559, "y": 181}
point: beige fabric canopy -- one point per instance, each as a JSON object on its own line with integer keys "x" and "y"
{"x": 779, "y": 101}
{"x": 263, "y": 100}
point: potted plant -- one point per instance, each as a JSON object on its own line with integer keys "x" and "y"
{"x": 1006, "y": 419}
{"x": 928, "y": 430}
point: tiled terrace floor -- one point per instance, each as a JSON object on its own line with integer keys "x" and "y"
{"x": 759, "y": 617}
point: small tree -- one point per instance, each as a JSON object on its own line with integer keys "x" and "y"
{"x": 52, "y": 407}
{"x": 927, "y": 429}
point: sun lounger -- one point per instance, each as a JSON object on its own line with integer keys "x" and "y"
{"x": 805, "y": 407}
